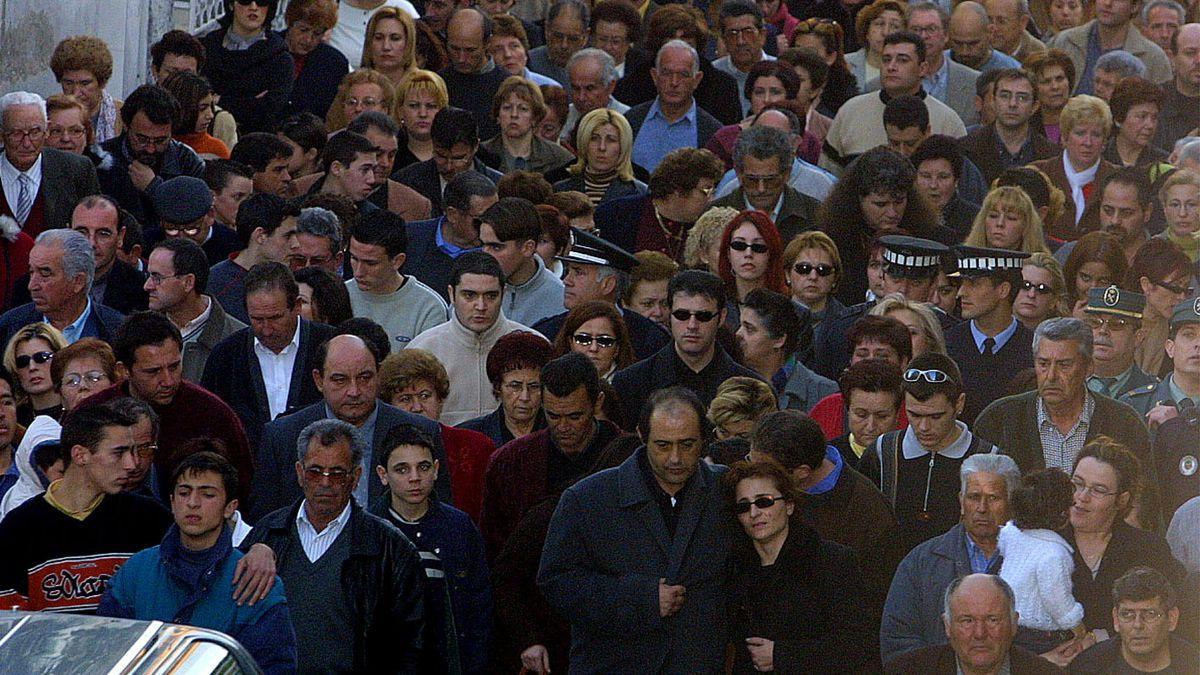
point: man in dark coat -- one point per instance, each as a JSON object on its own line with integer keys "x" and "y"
{"x": 717, "y": 92}
{"x": 991, "y": 146}
{"x": 434, "y": 244}
{"x": 635, "y": 557}
{"x": 762, "y": 160}
{"x": 456, "y": 136}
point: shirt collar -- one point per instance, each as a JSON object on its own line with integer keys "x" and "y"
{"x": 195, "y": 325}
{"x": 291, "y": 346}
{"x": 826, "y": 484}
{"x": 942, "y": 75}
{"x": 957, "y": 450}
{"x": 443, "y": 244}
{"x": 1178, "y": 394}
{"x": 1089, "y": 406}
{"x": 11, "y": 173}
{"x": 656, "y": 111}
{"x": 1001, "y": 338}
{"x": 74, "y": 330}
{"x": 333, "y": 526}
{"x": 774, "y": 210}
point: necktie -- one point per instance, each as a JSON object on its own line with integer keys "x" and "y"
{"x": 24, "y": 199}
{"x": 989, "y": 346}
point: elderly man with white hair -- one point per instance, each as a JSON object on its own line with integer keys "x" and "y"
{"x": 592, "y": 74}
{"x": 672, "y": 119}
{"x": 40, "y": 185}
{"x": 62, "y": 267}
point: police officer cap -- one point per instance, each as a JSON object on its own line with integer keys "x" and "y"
{"x": 589, "y": 249}
{"x": 910, "y": 257}
{"x": 1113, "y": 300}
{"x": 1187, "y": 311}
{"x": 182, "y": 200}
{"x": 975, "y": 261}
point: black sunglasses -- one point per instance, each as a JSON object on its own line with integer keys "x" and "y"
{"x": 1040, "y": 289}
{"x": 703, "y": 316}
{"x": 804, "y": 269}
{"x": 1177, "y": 290}
{"x": 39, "y": 357}
{"x": 762, "y": 503}
{"x": 585, "y": 340}
{"x": 740, "y": 246}
{"x": 260, "y": 3}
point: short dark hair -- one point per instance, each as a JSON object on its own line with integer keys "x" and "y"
{"x": 404, "y": 434}
{"x": 811, "y": 62}
{"x": 369, "y": 332}
{"x": 305, "y": 130}
{"x": 177, "y": 42}
{"x": 381, "y": 228}
{"x": 872, "y": 375}
{"x": 987, "y": 81}
{"x": 464, "y": 186}
{"x": 272, "y": 276}
{"x": 262, "y": 210}
{"x": 682, "y": 169}
{"x": 669, "y": 396}
{"x": 907, "y": 37}
{"x": 187, "y": 257}
{"x": 883, "y": 329}
{"x": 618, "y": 11}
{"x": 85, "y": 426}
{"x": 156, "y": 103}
{"x": 343, "y": 147}
{"x": 140, "y": 329}
{"x": 1042, "y": 499}
{"x": 906, "y": 112}
{"x": 218, "y": 171}
{"x": 923, "y": 390}
{"x": 516, "y": 351}
{"x": 1029, "y": 180}
{"x": 791, "y": 438}
{"x": 697, "y": 282}
{"x": 513, "y": 219}
{"x": 329, "y": 294}
{"x": 208, "y": 460}
{"x": 938, "y": 146}
{"x": 188, "y": 89}
{"x": 133, "y": 231}
{"x": 736, "y": 8}
{"x": 373, "y": 119}
{"x": 779, "y": 316}
{"x": 258, "y": 149}
{"x": 475, "y": 262}
{"x": 1143, "y": 583}
{"x": 528, "y": 184}
{"x": 566, "y": 374}
{"x": 772, "y": 471}
{"x": 1133, "y": 177}
{"x": 452, "y": 126}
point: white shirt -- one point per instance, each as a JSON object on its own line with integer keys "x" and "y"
{"x": 315, "y": 543}
{"x": 10, "y": 176}
{"x": 277, "y": 371}
{"x": 350, "y": 31}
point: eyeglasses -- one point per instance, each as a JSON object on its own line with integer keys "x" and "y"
{"x": 732, "y": 34}
{"x": 1176, "y": 289}
{"x": 822, "y": 270}
{"x": 176, "y": 230}
{"x": 1040, "y": 289}
{"x": 159, "y": 278}
{"x": 145, "y": 451}
{"x": 366, "y": 102}
{"x": 517, "y": 387}
{"x": 300, "y": 261}
{"x": 149, "y": 141}
{"x": 1114, "y": 323}
{"x": 585, "y": 340}
{"x": 316, "y": 473}
{"x": 1146, "y": 615}
{"x": 703, "y": 316}
{"x": 1098, "y": 491}
{"x": 15, "y": 136}
{"x": 75, "y": 380}
{"x": 38, "y": 357}
{"x": 931, "y": 376}
{"x": 67, "y": 132}
{"x": 740, "y": 246}
{"x": 762, "y": 503}
{"x": 260, "y": 3}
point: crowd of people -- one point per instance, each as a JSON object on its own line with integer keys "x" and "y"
{"x": 616, "y": 337}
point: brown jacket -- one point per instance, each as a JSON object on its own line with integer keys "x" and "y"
{"x": 941, "y": 660}
{"x": 1065, "y": 228}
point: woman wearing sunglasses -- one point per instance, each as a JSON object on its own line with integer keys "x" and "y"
{"x": 791, "y": 608}
{"x": 751, "y": 257}
{"x": 597, "y": 330}
{"x": 249, "y": 64}
{"x": 1043, "y": 292}
{"x": 27, "y": 356}
{"x": 1161, "y": 272}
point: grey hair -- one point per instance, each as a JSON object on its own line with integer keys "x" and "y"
{"x": 1190, "y": 152}
{"x": 323, "y": 223}
{"x": 1062, "y": 328}
{"x": 328, "y": 432}
{"x": 464, "y": 186}
{"x": 993, "y": 463}
{"x": 608, "y": 67}
{"x": 1186, "y": 140}
{"x": 978, "y": 9}
{"x": 21, "y": 98}
{"x": 678, "y": 44}
{"x": 581, "y": 8}
{"x": 932, "y": 7}
{"x": 78, "y": 256}
{"x": 1121, "y": 62}
{"x": 1009, "y": 596}
{"x": 1169, "y": 4}
{"x": 763, "y": 143}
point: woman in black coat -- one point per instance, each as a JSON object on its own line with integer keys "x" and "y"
{"x": 249, "y": 65}
{"x": 795, "y": 604}
{"x": 319, "y": 67}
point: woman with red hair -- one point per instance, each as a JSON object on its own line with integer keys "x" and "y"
{"x": 751, "y": 257}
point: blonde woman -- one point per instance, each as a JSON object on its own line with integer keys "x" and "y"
{"x": 27, "y": 356}
{"x": 419, "y": 98}
{"x": 1180, "y": 198}
{"x": 811, "y": 268}
{"x": 1008, "y": 220}
{"x": 605, "y": 168}
{"x": 364, "y": 89}
{"x": 923, "y": 325}
{"x": 1085, "y": 124}
{"x": 391, "y": 43}
{"x": 702, "y": 250}
{"x": 518, "y": 108}
{"x": 1043, "y": 292}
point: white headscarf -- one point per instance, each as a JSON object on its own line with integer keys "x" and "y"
{"x": 29, "y": 484}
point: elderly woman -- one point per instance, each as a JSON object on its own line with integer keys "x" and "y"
{"x": 878, "y": 195}
{"x": 825, "y": 37}
{"x": 514, "y": 367}
{"x": 1107, "y": 477}
{"x": 28, "y": 356}
{"x": 68, "y": 127}
{"x": 874, "y": 22}
{"x": 1085, "y": 123}
{"x": 1136, "y": 104}
{"x": 197, "y": 107}
{"x": 1097, "y": 261}
{"x": 605, "y": 169}
{"x": 391, "y": 43}
{"x": 1043, "y": 293}
{"x": 414, "y": 380}
{"x": 1180, "y": 199}
{"x": 249, "y": 65}
{"x": 360, "y": 91}
{"x": 923, "y": 326}
{"x": 419, "y": 98}
{"x": 750, "y": 257}
{"x": 597, "y": 330}
{"x": 320, "y": 66}
{"x": 82, "y": 65}
{"x": 795, "y": 602}
{"x": 1054, "y": 73}
{"x": 811, "y": 267}
{"x": 82, "y": 369}
{"x": 1008, "y": 220}
{"x": 518, "y": 109}
{"x": 702, "y": 248}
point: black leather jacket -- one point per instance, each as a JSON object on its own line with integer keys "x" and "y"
{"x": 383, "y": 578}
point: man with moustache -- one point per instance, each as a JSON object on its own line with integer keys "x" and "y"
{"x": 1125, "y": 207}
{"x": 1115, "y": 317}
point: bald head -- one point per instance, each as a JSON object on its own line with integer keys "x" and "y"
{"x": 466, "y": 34}
{"x": 1185, "y": 59}
{"x": 980, "y": 620}
{"x": 1009, "y": 19}
{"x": 970, "y": 37}
{"x": 346, "y": 377}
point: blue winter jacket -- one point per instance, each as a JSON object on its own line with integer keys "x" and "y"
{"x": 153, "y": 586}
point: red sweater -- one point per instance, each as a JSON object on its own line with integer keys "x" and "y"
{"x": 468, "y": 453}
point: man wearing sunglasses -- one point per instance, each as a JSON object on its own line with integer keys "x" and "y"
{"x": 1160, "y": 402}
{"x": 1115, "y": 317}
